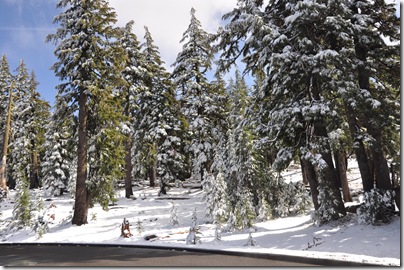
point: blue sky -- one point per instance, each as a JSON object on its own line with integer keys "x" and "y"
{"x": 24, "y": 25}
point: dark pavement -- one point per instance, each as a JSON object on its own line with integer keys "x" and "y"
{"x": 16, "y": 255}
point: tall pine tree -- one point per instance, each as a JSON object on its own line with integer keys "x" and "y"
{"x": 89, "y": 64}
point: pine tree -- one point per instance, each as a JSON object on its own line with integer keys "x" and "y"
{"x": 133, "y": 77}
{"x": 376, "y": 93}
{"x": 59, "y": 148}
{"x": 38, "y": 116}
{"x": 23, "y": 207}
{"x": 196, "y": 93}
{"x": 89, "y": 62}
{"x": 20, "y": 165}
{"x": 174, "y": 217}
{"x": 193, "y": 237}
{"x": 286, "y": 45}
{"x": 215, "y": 197}
{"x": 159, "y": 126}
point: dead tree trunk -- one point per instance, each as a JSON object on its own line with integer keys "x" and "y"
{"x": 3, "y": 164}
{"x": 125, "y": 229}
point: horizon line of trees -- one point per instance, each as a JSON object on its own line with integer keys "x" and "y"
{"x": 326, "y": 87}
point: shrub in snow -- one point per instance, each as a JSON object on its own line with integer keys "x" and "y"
{"x": 251, "y": 241}
{"x": 326, "y": 212}
{"x": 193, "y": 237}
{"x": 40, "y": 225}
{"x": 288, "y": 198}
{"x": 139, "y": 227}
{"x": 174, "y": 217}
{"x": 377, "y": 208}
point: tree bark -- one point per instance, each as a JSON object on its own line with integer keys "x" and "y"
{"x": 3, "y": 160}
{"x": 128, "y": 168}
{"x": 34, "y": 178}
{"x": 153, "y": 174}
{"x": 342, "y": 169}
{"x": 310, "y": 175}
{"x": 381, "y": 167}
{"x": 360, "y": 151}
{"x": 305, "y": 180}
{"x": 82, "y": 199}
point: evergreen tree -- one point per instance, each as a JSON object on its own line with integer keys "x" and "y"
{"x": 59, "y": 149}
{"x": 38, "y": 117}
{"x": 159, "y": 125}
{"x": 376, "y": 94}
{"x": 287, "y": 45}
{"x": 23, "y": 207}
{"x": 89, "y": 63}
{"x": 133, "y": 77}
{"x": 196, "y": 93}
{"x": 193, "y": 237}
{"x": 20, "y": 165}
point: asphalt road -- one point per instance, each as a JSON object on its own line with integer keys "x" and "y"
{"x": 103, "y": 256}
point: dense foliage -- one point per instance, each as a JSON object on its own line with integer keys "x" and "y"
{"x": 325, "y": 87}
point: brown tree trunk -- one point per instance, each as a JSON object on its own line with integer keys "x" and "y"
{"x": 128, "y": 168}
{"x": 381, "y": 167}
{"x": 3, "y": 158}
{"x": 305, "y": 180}
{"x": 360, "y": 151}
{"x": 310, "y": 174}
{"x": 34, "y": 178}
{"x": 342, "y": 169}
{"x": 153, "y": 174}
{"x": 381, "y": 170}
{"x": 82, "y": 199}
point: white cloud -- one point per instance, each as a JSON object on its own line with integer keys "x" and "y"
{"x": 167, "y": 20}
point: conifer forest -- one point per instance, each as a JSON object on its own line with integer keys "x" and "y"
{"x": 311, "y": 83}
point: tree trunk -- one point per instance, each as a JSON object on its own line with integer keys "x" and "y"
{"x": 342, "y": 169}
{"x": 381, "y": 169}
{"x": 34, "y": 178}
{"x": 310, "y": 175}
{"x": 305, "y": 180}
{"x": 3, "y": 160}
{"x": 327, "y": 173}
{"x": 82, "y": 199}
{"x": 360, "y": 151}
{"x": 128, "y": 167}
{"x": 153, "y": 174}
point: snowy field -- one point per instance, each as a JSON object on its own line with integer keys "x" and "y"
{"x": 341, "y": 240}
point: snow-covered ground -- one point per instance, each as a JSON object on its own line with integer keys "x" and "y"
{"x": 343, "y": 240}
